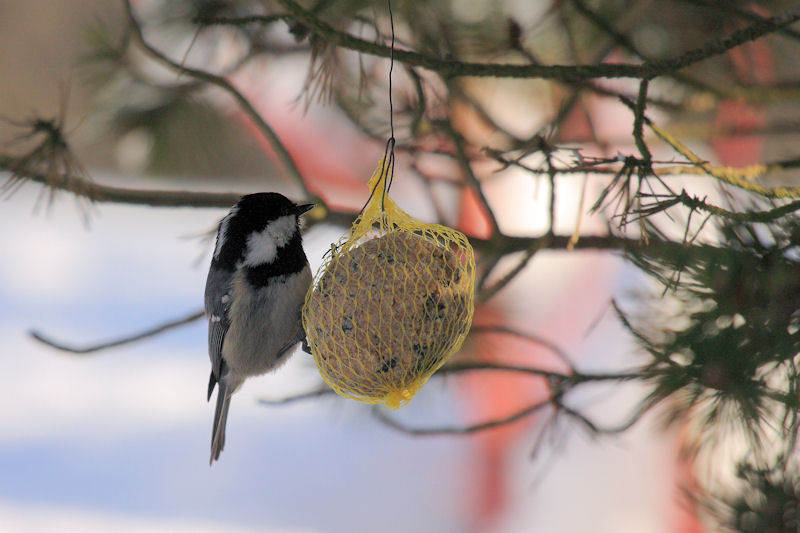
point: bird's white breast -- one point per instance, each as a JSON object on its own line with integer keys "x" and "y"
{"x": 265, "y": 321}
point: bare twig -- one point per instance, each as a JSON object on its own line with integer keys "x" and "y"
{"x": 381, "y": 415}
{"x": 310, "y": 395}
{"x": 471, "y": 366}
{"x": 500, "y": 284}
{"x": 506, "y": 330}
{"x": 563, "y": 381}
{"x": 117, "y": 342}
{"x": 472, "y": 179}
{"x": 595, "y": 428}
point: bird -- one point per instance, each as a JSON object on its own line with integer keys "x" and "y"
{"x": 254, "y": 293}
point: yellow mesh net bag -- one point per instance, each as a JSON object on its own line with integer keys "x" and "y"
{"x": 390, "y": 304}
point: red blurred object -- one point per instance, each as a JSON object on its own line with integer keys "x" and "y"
{"x": 754, "y": 64}
{"x": 473, "y": 218}
{"x": 494, "y": 395}
{"x": 336, "y": 163}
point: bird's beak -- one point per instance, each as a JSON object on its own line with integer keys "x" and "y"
{"x": 300, "y": 209}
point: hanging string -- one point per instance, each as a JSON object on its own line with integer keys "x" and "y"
{"x": 387, "y": 165}
{"x": 389, "y": 162}
{"x": 391, "y": 68}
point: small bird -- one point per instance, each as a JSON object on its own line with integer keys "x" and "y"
{"x": 255, "y": 290}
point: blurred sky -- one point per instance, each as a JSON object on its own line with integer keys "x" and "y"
{"x": 122, "y": 437}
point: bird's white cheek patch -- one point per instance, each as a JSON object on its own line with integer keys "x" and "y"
{"x": 262, "y": 247}
{"x": 282, "y": 229}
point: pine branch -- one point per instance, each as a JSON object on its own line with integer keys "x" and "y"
{"x": 638, "y": 120}
{"x": 452, "y": 68}
{"x": 96, "y": 192}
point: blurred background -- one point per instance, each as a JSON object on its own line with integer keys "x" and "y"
{"x": 119, "y": 439}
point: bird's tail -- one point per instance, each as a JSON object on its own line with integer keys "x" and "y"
{"x": 220, "y": 419}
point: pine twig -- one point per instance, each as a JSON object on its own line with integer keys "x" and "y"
{"x": 723, "y": 174}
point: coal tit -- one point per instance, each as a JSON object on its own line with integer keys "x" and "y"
{"x": 255, "y": 290}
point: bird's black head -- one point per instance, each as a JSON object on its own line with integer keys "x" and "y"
{"x": 261, "y": 230}
{"x": 254, "y": 211}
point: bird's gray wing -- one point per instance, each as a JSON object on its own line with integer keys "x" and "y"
{"x": 298, "y": 336}
{"x": 217, "y": 303}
